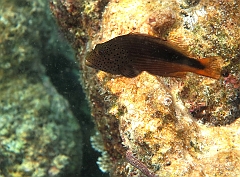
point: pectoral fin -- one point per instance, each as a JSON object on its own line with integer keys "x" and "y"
{"x": 129, "y": 71}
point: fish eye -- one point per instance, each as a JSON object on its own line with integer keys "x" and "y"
{"x": 99, "y": 52}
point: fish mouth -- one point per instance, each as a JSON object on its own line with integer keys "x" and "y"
{"x": 88, "y": 63}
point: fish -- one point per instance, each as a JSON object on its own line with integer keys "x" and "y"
{"x": 131, "y": 54}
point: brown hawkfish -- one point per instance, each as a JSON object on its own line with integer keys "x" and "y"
{"x": 130, "y": 54}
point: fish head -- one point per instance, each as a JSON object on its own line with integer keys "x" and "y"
{"x": 107, "y": 57}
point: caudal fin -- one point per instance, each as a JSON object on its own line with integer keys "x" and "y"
{"x": 212, "y": 67}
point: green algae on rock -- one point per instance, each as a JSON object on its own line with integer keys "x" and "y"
{"x": 39, "y": 134}
{"x": 151, "y": 116}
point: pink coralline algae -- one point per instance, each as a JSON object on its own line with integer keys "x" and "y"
{"x": 138, "y": 164}
{"x": 232, "y": 80}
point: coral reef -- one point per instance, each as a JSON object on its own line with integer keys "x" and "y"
{"x": 38, "y": 133}
{"x": 172, "y": 126}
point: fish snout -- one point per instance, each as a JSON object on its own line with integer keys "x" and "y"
{"x": 89, "y": 63}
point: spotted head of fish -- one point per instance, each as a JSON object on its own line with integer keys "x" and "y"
{"x": 111, "y": 58}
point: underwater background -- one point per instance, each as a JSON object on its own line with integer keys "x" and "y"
{"x": 59, "y": 117}
{"x": 45, "y": 122}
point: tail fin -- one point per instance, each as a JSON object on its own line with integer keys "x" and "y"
{"x": 212, "y": 67}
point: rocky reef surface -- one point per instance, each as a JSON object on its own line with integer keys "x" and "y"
{"x": 163, "y": 126}
{"x": 39, "y": 136}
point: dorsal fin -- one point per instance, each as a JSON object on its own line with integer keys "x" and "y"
{"x": 176, "y": 43}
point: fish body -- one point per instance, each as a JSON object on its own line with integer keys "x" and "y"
{"x": 130, "y": 54}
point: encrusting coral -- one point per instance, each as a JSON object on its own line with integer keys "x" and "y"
{"x": 174, "y": 126}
